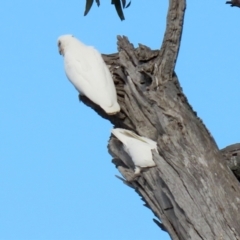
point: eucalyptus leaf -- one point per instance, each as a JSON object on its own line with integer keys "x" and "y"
{"x": 88, "y": 6}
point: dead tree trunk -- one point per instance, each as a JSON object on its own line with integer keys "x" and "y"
{"x": 191, "y": 190}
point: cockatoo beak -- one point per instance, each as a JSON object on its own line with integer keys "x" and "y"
{"x": 60, "y": 50}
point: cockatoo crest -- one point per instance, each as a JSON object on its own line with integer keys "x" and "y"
{"x": 87, "y": 71}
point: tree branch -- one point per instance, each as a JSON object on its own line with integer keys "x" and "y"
{"x": 231, "y": 155}
{"x": 172, "y": 39}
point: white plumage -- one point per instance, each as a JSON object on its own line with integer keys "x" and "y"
{"x": 138, "y": 148}
{"x": 87, "y": 71}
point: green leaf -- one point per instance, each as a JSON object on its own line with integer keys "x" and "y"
{"x": 123, "y": 3}
{"x": 118, "y": 7}
{"x": 128, "y": 4}
{"x": 98, "y": 2}
{"x": 88, "y": 6}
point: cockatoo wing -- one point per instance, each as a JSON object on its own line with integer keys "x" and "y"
{"x": 89, "y": 74}
{"x": 148, "y": 141}
{"x": 140, "y": 153}
{"x": 139, "y": 148}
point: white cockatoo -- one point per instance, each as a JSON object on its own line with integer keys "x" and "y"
{"x": 87, "y": 71}
{"x": 137, "y": 147}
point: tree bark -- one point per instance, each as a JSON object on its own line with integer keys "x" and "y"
{"x": 191, "y": 190}
{"x": 231, "y": 155}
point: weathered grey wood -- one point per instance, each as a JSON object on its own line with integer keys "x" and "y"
{"x": 191, "y": 190}
{"x": 231, "y": 155}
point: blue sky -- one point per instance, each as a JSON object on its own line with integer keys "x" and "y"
{"x": 56, "y": 177}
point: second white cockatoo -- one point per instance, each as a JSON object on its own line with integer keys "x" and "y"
{"x": 137, "y": 147}
{"x": 87, "y": 71}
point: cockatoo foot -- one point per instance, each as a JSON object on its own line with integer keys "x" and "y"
{"x": 134, "y": 178}
{"x": 113, "y": 113}
{"x": 137, "y": 174}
